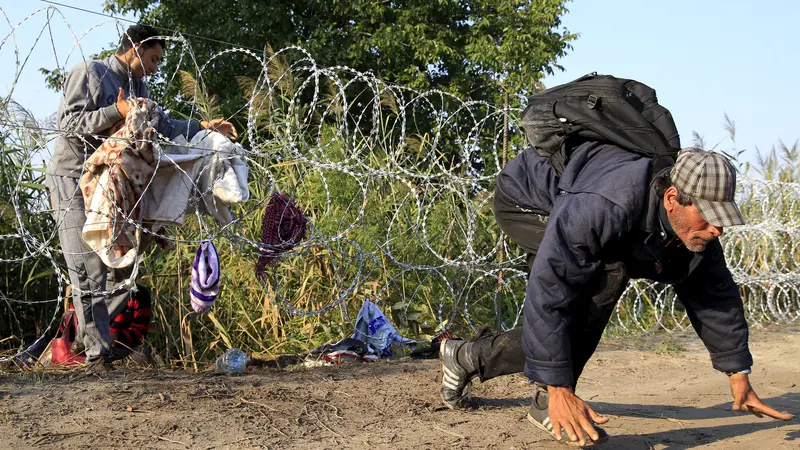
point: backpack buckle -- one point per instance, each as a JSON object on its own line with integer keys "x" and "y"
{"x": 592, "y": 101}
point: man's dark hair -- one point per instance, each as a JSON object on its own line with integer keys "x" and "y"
{"x": 663, "y": 181}
{"x": 136, "y": 34}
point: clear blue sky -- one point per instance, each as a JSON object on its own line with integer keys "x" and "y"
{"x": 76, "y": 35}
{"x": 704, "y": 58}
{"x": 88, "y": 35}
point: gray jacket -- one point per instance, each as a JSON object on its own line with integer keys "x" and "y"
{"x": 88, "y": 109}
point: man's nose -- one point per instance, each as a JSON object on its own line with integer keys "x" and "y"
{"x": 715, "y": 230}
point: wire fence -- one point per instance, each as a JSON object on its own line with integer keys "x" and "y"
{"x": 396, "y": 186}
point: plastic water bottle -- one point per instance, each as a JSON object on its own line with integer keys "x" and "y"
{"x": 232, "y": 361}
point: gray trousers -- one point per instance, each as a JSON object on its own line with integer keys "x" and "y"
{"x": 98, "y": 293}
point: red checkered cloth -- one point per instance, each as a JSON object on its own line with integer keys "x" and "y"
{"x": 282, "y": 228}
{"x": 132, "y": 324}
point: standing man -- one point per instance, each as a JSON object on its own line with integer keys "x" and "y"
{"x": 587, "y": 231}
{"x": 94, "y": 103}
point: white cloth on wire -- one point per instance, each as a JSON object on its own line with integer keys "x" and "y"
{"x": 222, "y": 182}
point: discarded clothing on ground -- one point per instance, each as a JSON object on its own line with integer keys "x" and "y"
{"x": 130, "y": 327}
{"x": 373, "y": 338}
{"x": 374, "y": 328}
{"x": 432, "y": 351}
{"x": 348, "y": 349}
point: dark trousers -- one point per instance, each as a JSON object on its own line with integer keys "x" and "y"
{"x": 502, "y": 354}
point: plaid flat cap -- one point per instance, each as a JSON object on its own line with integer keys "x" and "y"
{"x": 711, "y": 180}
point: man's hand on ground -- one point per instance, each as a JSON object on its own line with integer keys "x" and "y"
{"x": 745, "y": 399}
{"x": 122, "y": 104}
{"x": 574, "y": 415}
{"x": 221, "y": 126}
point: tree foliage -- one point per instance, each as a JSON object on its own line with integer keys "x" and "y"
{"x": 475, "y": 49}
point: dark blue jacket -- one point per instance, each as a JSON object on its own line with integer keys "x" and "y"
{"x": 604, "y": 209}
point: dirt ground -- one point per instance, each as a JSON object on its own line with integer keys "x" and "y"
{"x": 660, "y": 393}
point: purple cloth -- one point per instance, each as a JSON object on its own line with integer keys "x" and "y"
{"x": 205, "y": 278}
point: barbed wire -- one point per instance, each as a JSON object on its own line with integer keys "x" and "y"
{"x": 397, "y": 186}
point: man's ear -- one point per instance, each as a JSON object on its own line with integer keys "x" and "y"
{"x": 670, "y": 199}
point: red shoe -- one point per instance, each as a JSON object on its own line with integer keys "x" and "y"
{"x": 340, "y": 356}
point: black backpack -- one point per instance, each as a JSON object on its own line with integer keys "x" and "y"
{"x": 600, "y": 108}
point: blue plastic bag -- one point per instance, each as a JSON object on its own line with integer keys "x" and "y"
{"x": 374, "y": 328}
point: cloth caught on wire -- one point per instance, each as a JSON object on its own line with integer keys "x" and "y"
{"x": 210, "y": 168}
{"x": 205, "y": 278}
{"x": 222, "y": 180}
{"x": 129, "y": 182}
{"x": 112, "y": 184}
{"x": 283, "y": 226}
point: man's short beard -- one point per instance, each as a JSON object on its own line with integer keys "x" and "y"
{"x": 696, "y": 248}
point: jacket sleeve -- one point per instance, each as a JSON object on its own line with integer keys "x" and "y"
{"x": 172, "y": 128}
{"x": 714, "y": 306}
{"x": 82, "y": 96}
{"x": 579, "y": 229}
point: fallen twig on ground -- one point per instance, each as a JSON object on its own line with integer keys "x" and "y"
{"x": 170, "y": 440}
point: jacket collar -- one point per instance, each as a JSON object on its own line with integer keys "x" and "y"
{"x": 656, "y": 223}
{"x": 652, "y": 220}
{"x": 117, "y": 67}
{"x": 665, "y": 228}
{"x": 122, "y": 72}
{"x": 659, "y": 230}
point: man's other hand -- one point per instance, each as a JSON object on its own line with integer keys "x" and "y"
{"x": 745, "y": 399}
{"x": 221, "y": 126}
{"x": 574, "y": 415}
